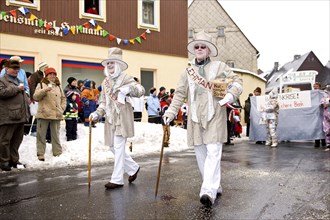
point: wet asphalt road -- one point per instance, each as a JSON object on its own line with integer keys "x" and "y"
{"x": 291, "y": 182}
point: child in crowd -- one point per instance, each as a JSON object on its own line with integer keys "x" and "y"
{"x": 71, "y": 116}
{"x": 88, "y": 97}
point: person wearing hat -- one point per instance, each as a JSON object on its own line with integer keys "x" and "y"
{"x": 52, "y": 103}
{"x": 72, "y": 86}
{"x": 162, "y": 91}
{"x": 325, "y": 104}
{"x": 154, "y": 109}
{"x": 14, "y": 112}
{"x": 71, "y": 115}
{"x": 114, "y": 104}
{"x": 36, "y": 78}
{"x": 21, "y": 74}
{"x": 89, "y": 97}
{"x": 208, "y": 85}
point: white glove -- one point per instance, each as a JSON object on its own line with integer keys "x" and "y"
{"x": 125, "y": 90}
{"x": 228, "y": 98}
{"x": 167, "y": 118}
{"x": 94, "y": 116}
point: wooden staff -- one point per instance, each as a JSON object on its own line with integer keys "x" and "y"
{"x": 89, "y": 152}
{"x": 160, "y": 160}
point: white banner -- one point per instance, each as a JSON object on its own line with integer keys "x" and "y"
{"x": 290, "y": 100}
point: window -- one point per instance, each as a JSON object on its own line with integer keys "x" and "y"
{"x": 147, "y": 80}
{"x": 149, "y": 14}
{"x": 92, "y": 9}
{"x": 230, "y": 63}
{"x": 34, "y": 4}
{"x": 221, "y": 31}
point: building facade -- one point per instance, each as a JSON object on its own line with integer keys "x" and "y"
{"x": 234, "y": 47}
{"x": 74, "y": 39}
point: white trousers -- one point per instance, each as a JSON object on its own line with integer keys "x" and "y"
{"x": 208, "y": 160}
{"x": 123, "y": 161}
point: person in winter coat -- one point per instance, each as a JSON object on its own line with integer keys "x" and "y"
{"x": 325, "y": 103}
{"x": 72, "y": 86}
{"x": 208, "y": 85}
{"x": 114, "y": 104}
{"x": 247, "y": 109}
{"x": 138, "y": 105}
{"x": 52, "y": 103}
{"x": 153, "y": 104}
{"x": 14, "y": 112}
{"x": 71, "y": 115}
{"x": 88, "y": 97}
{"x": 271, "y": 114}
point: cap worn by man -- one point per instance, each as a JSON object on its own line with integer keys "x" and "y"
{"x": 115, "y": 54}
{"x": 16, "y": 58}
{"x": 13, "y": 64}
{"x": 42, "y": 66}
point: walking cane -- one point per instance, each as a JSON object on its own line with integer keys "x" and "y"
{"x": 89, "y": 152}
{"x": 160, "y": 160}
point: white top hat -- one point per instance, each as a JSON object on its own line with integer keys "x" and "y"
{"x": 115, "y": 55}
{"x": 203, "y": 38}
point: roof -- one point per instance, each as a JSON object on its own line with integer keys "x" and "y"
{"x": 324, "y": 77}
{"x": 292, "y": 66}
{"x": 249, "y": 72}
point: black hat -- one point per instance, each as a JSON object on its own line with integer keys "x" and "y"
{"x": 152, "y": 90}
{"x": 162, "y": 88}
{"x": 71, "y": 79}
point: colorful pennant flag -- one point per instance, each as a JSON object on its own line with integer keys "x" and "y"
{"x": 98, "y": 28}
{"x": 23, "y": 10}
{"x": 86, "y": 25}
{"x": 125, "y": 42}
{"x": 105, "y": 33}
{"x": 79, "y": 28}
{"x": 57, "y": 30}
{"x": 132, "y": 41}
{"x": 3, "y": 13}
{"x": 138, "y": 39}
{"x": 41, "y": 23}
{"x": 111, "y": 37}
{"x": 73, "y": 29}
{"x": 144, "y": 36}
{"x": 48, "y": 26}
{"x": 33, "y": 17}
{"x": 93, "y": 22}
{"x": 65, "y": 31}
{"x": 13, "y": 13}
{"x": 118, "y": 40}
{"x": 148, "y": 31}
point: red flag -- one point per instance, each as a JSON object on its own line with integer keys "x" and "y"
{"x": 86, "y": 25}
{"x": 111, "y": 37}
{"x": 144, "y": 36}
{"x": 13, "y": 12}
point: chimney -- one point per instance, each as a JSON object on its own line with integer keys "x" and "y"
{"x": 296, "y": 57}
{"x": 276, "y": 66}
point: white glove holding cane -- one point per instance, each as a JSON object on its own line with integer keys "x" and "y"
{"x": 168, "y": 117}
{"x": 94, "y": 116}
{"x": 229, "y": 98}
{"x": 124, "y": 90}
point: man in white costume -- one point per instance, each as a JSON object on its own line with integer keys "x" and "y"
{"x": 206, "y": 125}
{"x": 115, "y": 105}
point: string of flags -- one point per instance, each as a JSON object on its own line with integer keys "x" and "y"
{"x": 76, "y": 29}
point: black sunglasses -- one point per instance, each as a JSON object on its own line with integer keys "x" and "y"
{"x": 197, "y": 47}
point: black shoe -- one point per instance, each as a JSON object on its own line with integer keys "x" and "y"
{"x": 5, "y": 166}
{"x": 259, "y": 142}
{"x": 110, "y": 185}
{"x": 229, "y": 143}
{"x": 17, "y": 165}
{"x": 132, "y": 178}
{"x": 206, "y": 200}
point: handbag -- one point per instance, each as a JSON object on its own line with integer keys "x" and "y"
{"x": 34, "y": 108}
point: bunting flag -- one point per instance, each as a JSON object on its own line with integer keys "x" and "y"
{"x": 79, "y": 28}
{"x": 86, "y": 25}
{"x": 48, "y": 26}
{"x": 65, "y": 31}
{"x": 125, "y": 42}
{"x": 57, "y": 30}
{"x": 75, "y": 28}
{"x": 144, "y": 36}
{"x": 33, "y": 17}
{"x": 138, "y": 39}
{"x": 105, "y": 33}
{"x": 93, "y": 22}
{"x": 41, "y": 22}
{"x": 111, "y": 37}
{"x": 23, "y": 10}
{"x": 13, "y": 13}
{"x": 98, "y": 28}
